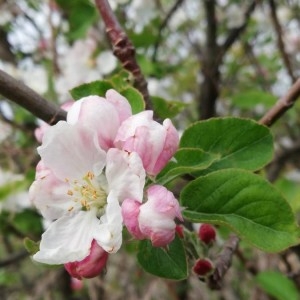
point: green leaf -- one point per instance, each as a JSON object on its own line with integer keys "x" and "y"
{"x": 135, "y": 98}
{"x": 122, "y": 80}
{"x": 277, "y": 285}
{"x": 246, "y": 203}
{"x": 240, "y": 143}
{"x": 31, "y": 246}
{"x": 188, "y": 160}
{"x": 248, "y": 99}
{"x": 98, "y": 88}
{"x": 166, "y": 109}
{"x": 170, "y": 263}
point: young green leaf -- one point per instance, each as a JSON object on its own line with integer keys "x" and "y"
{"x": 167, "y": 263}
{"x": 187, "y": 161}
{"x": 240, "y": 143}
{"x": 277, "y": 285}
{"x": 246, "y": 203}
{"x": 98, "y": 88}
{"x": 135, "y": 98}
{"x": 167, "y": 109}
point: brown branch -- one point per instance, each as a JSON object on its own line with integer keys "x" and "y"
{"x": 21, "y": 94}
{"x": 223, "y": 263}
{"x": 14, "y": 258}
{"x": 280, "y": 42}
{"x": 282, "y": 105}
{"x": 163, "y": 25}
{"x": 123, "y": 49}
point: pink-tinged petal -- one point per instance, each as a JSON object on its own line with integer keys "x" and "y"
{"x": 49, "y": 195}
{"x": 100, "y": 115}
{"x": 169, "y": 148}
{"x": 67, "y": 239}
{"x": 130, "y": 213}
{"x": 71, "y": 151}
{"x": 91, "y": 266}
{"x": 164, "y": 201}
{"x": 161, "y": 208}
{"x": 108, "y": 233}
{"x": 120, "y": 103}
{"x": 125, "y": 174}
{"x": 40, "y": 131}
{"x": 155, "y": 143}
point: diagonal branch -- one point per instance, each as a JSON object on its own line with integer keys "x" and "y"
{"x": 21, "y": 94}
{"x": 223, "y": 263}
{"x": 235, "y": 33}
{"x": 123, "y": 48}
{"x": 280, "y": 43}
{"x": 163, "y": 25}
{"x": 282, "y": 105}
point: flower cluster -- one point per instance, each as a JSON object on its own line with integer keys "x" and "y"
{"x": 91, "y": 178}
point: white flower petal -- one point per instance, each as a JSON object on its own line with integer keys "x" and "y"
{"x": 68, "y": 239}
{"x": 109, "y": 232}
{"x": 70, "y": 151}
{"x": 125, "y": 174}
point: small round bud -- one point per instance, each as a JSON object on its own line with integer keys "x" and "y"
{"x": 203, "y": 267}
{"x": 207, "y": 233}
{"x": 179, "y": 231}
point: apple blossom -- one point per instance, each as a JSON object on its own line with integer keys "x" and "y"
{"x": 155, "y": 143}
{"x": 90, "y": 266}
{"x": 153, "y": 219}
{"x": 105, "y": 114}
{"x": 79, "y": 187}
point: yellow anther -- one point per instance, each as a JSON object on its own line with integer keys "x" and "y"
{"x": 70, "y": 193}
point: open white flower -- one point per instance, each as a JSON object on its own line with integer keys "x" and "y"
{"x": 80, "y": 187}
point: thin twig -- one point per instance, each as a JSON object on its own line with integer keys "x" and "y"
{"x": 280, "y": 43}
{"x": 163, "y": 25}
{"x": 235, "y": 33}
{"x": 14, "y": 258}
{"x": 223, "y": 263}
{"x": 282, "y": 105}
{"x": 21, "y": 94}
{"x": 123, "y": 49}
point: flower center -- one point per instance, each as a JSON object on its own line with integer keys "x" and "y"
{"x": 88, "y": 192}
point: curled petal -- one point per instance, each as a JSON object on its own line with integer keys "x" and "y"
{"x": 161, "y": 208}
{"x": 130, "y": 213}
{"x": 68, "y": 239}
{"x": 155, "y": 143}
{"x": 120, "y": 103}
{"x": 104, "y": 116}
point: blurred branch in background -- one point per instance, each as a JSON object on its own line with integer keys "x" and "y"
{"x": 21, "y": 94}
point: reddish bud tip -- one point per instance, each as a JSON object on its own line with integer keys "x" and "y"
{"x": 203, "y": 267}
{"x": 207, "y": 233}
{"x": 179, "y": 231}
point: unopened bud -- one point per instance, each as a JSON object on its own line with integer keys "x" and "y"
{"x": 179, "y": 231}
{"x": 207, "y": 233}
{"x": 203, "y": 267}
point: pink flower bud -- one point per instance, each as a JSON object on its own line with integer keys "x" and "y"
{"x": 207, "y": 233}
{"x": 155, "y": 218}
{"x": 203, "y": 267}
{"x": 179, "y": 231}
{"x": 155, "y": 143}
{"x": 91, "y": 266}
